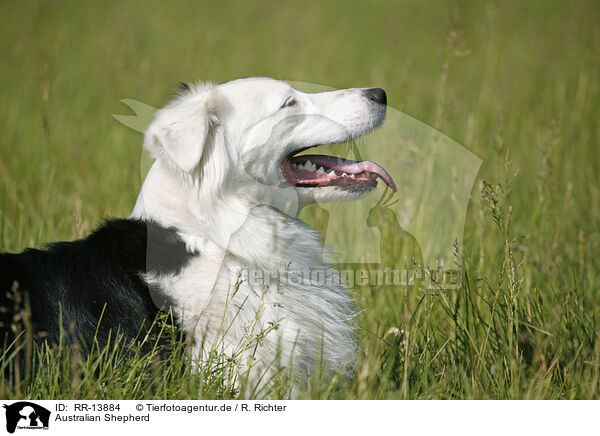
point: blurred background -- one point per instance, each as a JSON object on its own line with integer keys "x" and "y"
{"x": 516, "y": 83}
{"x": 517, "y": 71}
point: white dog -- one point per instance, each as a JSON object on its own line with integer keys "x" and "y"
{"x": 228, "y": 179}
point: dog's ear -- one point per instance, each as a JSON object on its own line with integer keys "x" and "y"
{"x": 181, "y": 130}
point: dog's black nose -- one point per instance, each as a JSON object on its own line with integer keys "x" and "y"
{"x": 376, "y": 94}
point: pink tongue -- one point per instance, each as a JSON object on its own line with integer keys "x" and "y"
{"x": 347, "y": 166}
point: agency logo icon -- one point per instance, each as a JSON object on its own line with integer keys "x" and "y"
{"x": 26, "y": 415}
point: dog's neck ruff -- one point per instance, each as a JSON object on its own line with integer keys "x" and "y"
{"x": 255, "y": 270}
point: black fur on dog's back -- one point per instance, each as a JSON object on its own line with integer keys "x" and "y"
{"x": 89, "y": 285}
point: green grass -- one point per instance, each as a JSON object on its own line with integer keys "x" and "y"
{"x": 517, "y": 83}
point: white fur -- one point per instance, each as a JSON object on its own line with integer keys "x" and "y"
{"x": 217, "y": 179}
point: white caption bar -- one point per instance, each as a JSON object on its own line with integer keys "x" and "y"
{"x": 158, "y": 417}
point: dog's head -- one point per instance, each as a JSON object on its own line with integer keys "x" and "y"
{"x": 245, "y": 137}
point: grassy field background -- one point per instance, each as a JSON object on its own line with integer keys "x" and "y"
{"x": 517, "y": 83}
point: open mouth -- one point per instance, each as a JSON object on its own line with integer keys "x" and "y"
{"x": 314, "y": 171}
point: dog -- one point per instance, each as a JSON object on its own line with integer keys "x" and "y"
{"x": 214, "y": 237}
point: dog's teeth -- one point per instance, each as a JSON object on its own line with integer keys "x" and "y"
{"x": 321, "y": 170}
{"x": 344, "y": 174}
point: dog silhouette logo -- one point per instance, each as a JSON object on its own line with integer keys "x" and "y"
{"x": 26, "y": 415}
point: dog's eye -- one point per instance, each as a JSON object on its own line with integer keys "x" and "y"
{"x": 289, "y": 102}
